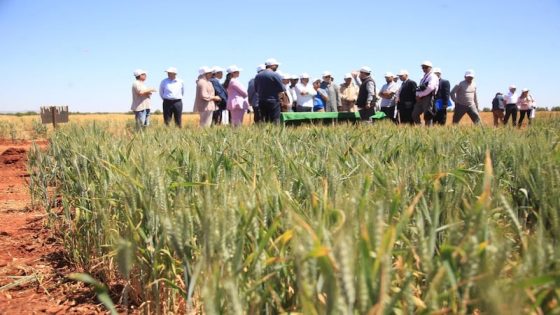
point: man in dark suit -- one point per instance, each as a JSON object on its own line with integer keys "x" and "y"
{"x": 406, "y": 98}
{"x": 442, "y": 99}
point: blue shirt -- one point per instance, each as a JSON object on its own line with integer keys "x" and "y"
{"x": 252, "y": 93}
{"x": 318, "y": 102}
{"x": 268, "y": 85}
{"x": 171, "y": 89}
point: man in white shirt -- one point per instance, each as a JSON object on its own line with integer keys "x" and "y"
{"x": 427, "y": 89}
{"x": 171, "y": 90}
{"x": 305, "y": 93}
{"x": 510, "y": 101}
{"x": 141, "y": 99}
{"x": 387, "y": 94}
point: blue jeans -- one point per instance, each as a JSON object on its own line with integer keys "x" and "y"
{"x": 142, "y": 118}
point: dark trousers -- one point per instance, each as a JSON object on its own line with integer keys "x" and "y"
{"x": 511, "y": 110}
{"x": 441, "y": 116}
{"x": 257, "y": 113}
{"x": 522, "y": 114}
{"x": 173, "y": 108}
{"x": 270, "y": 111}
{"x": 424, "y": 106}
{"x": 390, "y": 112}
{"x": 366, "y": 113}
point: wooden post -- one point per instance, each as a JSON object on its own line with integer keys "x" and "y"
{"x": 53, "y": 108}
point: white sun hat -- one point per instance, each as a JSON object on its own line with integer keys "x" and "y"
{"x": 171, "y": 70}
{"x": 304, "y": 76}
{"x": 139, "y": 72}
{"x": 403, "y": 72}
{"x": 271, "y": 62}
{"x": 233, "y": 68}
{"x": 204, "y": 70}
{"x": 426, "y": 63}
{"x": 365, "y": 69}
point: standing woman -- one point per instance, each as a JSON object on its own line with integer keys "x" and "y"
{"x": 205, "y": 97}
{"x": 237, "y": 96}
{"x": 524, "y": 104}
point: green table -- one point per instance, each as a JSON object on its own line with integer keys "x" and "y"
{"x": 294, "y": 118}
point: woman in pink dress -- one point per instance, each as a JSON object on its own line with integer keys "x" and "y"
{"x": 237, "y": 103}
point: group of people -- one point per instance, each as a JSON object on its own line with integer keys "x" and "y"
{"x": 506, "y": 106}
{"x": 271, "y": 92}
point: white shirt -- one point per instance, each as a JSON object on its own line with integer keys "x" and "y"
{"x": 431, "y": 81}
{"x": 171, "y": 89}
{"x": 511, "y": 98}
{"x": 307, "y": 99}
{"x": 293, "y": 91}
{"x": 388, "y": 87}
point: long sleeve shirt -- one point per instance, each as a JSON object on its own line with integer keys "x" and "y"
{"x": 349, "y": 92}
{"x": 204, "y": 96}
{"x": 431, "y": 82}
{"x": 525, "y": 103}
{"x": 371, "y": 88}
{"x": 465, "y": 94}
{"x": 510, "y": 98}
{"x": 333, "y": 94}
{"x": 171, "y": 89}
{"x": 305, "y": 94}
{"x": 237, "y": 96}
{"x": 252, "y": 92}
{"x": 219, "y": 89}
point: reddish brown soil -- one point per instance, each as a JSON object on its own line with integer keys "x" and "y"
{"x": 28, "y": 250}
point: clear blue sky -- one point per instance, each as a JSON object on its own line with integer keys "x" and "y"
{"x": 83, "y": 53}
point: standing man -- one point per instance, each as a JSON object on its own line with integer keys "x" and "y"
{"x": 292, "y": 89}
{"x": 171, "y": 91}
{"x": 305, "y": 93}
{"x": 498, "y": 109}
{"x": 254, "y": 96}
{"x": 333, "y": 93}
{"x": 286, "y": 80}
{"x": 268, "y": 85}
{"x": 510, "y": 101}
{"x": 217, "y": 75}
{"x": 367, "y": 96}
{"x": 348, "y": 94}
{"x": 387, "y": 94}
{"x": 141, "y": 99}
{"x": 465, "y": 99}
{"x": 442, "y": 99}
{"x": 406, "y": 98}
{"x": 425, "y": 95}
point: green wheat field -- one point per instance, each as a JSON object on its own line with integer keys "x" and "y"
{"x": 350, "y": 219}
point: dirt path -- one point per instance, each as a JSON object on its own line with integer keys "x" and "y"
{"x": 32, "y": 264}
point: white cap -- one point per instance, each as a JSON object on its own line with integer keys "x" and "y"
{"x": 389, "y": 75}
{"x": 525, "y": 90}
{"x": 469, "y": 73}
{"x": 315, "y": 80}
{"x": 171, "y": 70}
{"x": 286, "y": 76}
{"x": 326, "y": 74}
{"x": 426, "y": 63}
{"x": 204, "y": 70}
{"x": 294, "y": 77}
{"x": 512, "y": 87}
{"x": 365, "y": 69}
{"x": 403, "y": 72}
{"x": 139, "y": 72}
{"x": 261, "y": 68}
{"x": 348, "y": 76}
{"x": 216, "y": 69}
{"x": 233, "y": 68}
{"x": 271, "y": 62}
{"x": 437, "y": 70}
{"x": 304, "y": 76}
